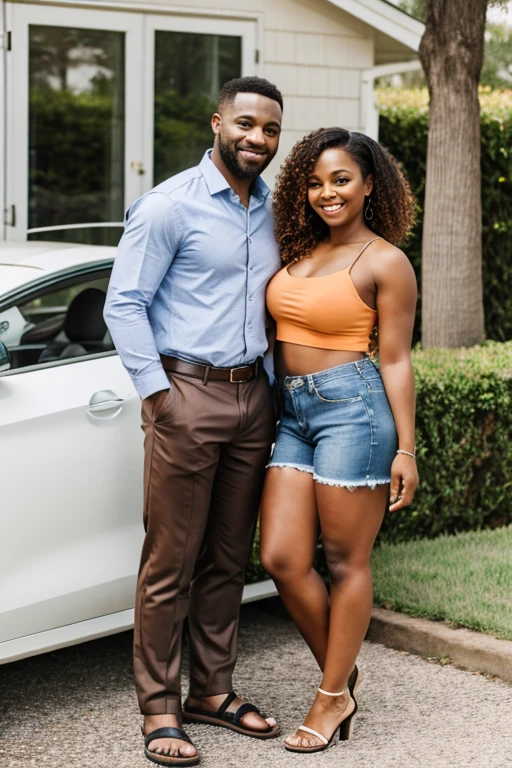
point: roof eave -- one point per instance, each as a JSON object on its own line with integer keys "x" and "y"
{"x": 387, "y": 18}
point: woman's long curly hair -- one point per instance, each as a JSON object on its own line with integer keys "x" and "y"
{"x": 299, "y": 229}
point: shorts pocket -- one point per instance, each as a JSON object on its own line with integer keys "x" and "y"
{"x": 332, "y": 392}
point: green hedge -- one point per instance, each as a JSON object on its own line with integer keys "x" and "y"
{"x": 464, "y": 446}
{"x": 404, "y": 130}
{"x": 464, "y": 424}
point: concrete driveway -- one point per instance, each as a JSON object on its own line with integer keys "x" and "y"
{"x": 77, "y": 707}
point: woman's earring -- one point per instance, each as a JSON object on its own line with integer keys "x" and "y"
{"x": 368, "y": 211}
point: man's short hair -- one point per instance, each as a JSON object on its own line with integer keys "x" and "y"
{"x": 249, "y": 85}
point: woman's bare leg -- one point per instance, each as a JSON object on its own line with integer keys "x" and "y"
{"x": 289, "y": 536}
{"x": 349, "y": 522}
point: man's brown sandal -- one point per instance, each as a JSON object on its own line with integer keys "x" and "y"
{"x": 229, "y": 720}
{"x": 160, "y": 759}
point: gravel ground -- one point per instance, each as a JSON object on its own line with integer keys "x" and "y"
{"x": 77, "y": 707}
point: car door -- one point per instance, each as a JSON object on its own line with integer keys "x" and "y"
{"x": 71, "y": 473}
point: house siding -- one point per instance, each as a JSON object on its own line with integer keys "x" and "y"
{"x": 315, "y": 54}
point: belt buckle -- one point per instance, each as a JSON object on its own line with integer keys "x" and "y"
{"x": 240, "y": 368}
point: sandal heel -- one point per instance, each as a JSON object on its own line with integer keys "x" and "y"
{"x": 347, "y": 725}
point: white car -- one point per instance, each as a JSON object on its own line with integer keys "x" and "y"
{"x": 70, "y": 454}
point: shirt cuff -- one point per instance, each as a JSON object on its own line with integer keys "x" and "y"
{"x": 148, "y": 383}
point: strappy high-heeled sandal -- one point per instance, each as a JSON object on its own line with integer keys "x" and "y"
{"x": 344, "y": 728}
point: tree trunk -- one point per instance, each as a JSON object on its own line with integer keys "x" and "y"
{"x": 451, "y": 52}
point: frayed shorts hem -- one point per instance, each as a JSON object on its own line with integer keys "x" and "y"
{"x": 351, "y": 486}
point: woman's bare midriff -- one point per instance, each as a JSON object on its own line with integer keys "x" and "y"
{"x": 298, "y": 360}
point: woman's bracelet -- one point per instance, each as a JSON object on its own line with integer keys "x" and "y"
{"x": 407, "y": 453}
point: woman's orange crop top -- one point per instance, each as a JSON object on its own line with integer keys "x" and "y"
{"x": 325, "y": 312}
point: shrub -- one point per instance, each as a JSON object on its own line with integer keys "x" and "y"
{"x": 404, "y": 131}
{"x": 464, "y": 423}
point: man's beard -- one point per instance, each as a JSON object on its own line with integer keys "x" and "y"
{"x": 230, "y": 159}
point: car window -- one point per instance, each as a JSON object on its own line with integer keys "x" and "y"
{"x": 62, "y": 323}
{"x": 57, "y": 302}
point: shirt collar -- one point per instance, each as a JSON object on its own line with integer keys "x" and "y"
{"x": 216, "y": 182}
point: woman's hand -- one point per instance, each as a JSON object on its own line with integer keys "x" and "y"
{"x": 404, "y": 481}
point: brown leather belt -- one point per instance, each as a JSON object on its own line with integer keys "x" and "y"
{"x": 238, "y": 375}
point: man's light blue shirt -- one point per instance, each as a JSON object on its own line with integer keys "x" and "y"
{"x": 190, "y": 276}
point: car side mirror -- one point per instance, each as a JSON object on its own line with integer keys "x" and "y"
{"x": 5, "y": 358}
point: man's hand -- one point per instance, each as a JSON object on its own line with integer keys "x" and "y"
{"x": 156, "y": 401}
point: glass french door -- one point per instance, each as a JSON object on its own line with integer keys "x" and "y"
{"x": 102, "y": 106}
{"x": 188, "y": 62}
{"x": 76, "y": 128}
{"x": 70, "y": 139}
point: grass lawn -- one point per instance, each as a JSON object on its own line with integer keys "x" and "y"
{"x": 464, "y": 579}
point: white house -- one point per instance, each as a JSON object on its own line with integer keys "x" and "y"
{"x": 103, "y": 98}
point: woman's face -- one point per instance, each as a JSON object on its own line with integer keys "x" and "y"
{"x": 336, "y": 188}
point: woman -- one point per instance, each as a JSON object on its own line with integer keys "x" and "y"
{"x": 345, "y": 443}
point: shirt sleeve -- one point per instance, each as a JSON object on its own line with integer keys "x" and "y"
{"x": 146, "y": 250}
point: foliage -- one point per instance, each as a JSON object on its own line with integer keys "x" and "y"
{"x": 417, "y": 8}
{"x": 76, "y": 128}
{"x": 497, "y": 50}
{"x": 404, "y": 131}
{"x": 72, "y": 158}
{"x": 464, "y": 423}
{"x": 497, "y": 67}
{"x": 463, "y": 579}
{"x": 182, "y": 131}
{"x": 189, "y": 72}
{"x": 56, "y": 51}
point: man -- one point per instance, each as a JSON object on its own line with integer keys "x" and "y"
{"x": 186, "y": 309}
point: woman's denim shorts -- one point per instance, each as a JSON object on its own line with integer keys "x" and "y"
{"x": 337, "y": 424}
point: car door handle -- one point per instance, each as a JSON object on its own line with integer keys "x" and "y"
{"x": 105, "y": 404}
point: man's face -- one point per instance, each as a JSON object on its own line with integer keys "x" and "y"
{"x": 247, "y": 131}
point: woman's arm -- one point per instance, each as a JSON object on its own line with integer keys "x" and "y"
{"x": 396, "y": 305}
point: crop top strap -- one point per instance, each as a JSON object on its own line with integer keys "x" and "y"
{"x": 363, "y": 249}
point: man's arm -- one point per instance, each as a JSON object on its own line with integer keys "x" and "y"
{"x": 145, "y": 253}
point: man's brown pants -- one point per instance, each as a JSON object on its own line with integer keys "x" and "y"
{"x": 205, "y": 453}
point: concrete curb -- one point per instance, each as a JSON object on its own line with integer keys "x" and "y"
{"x": 471, "y": 650}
